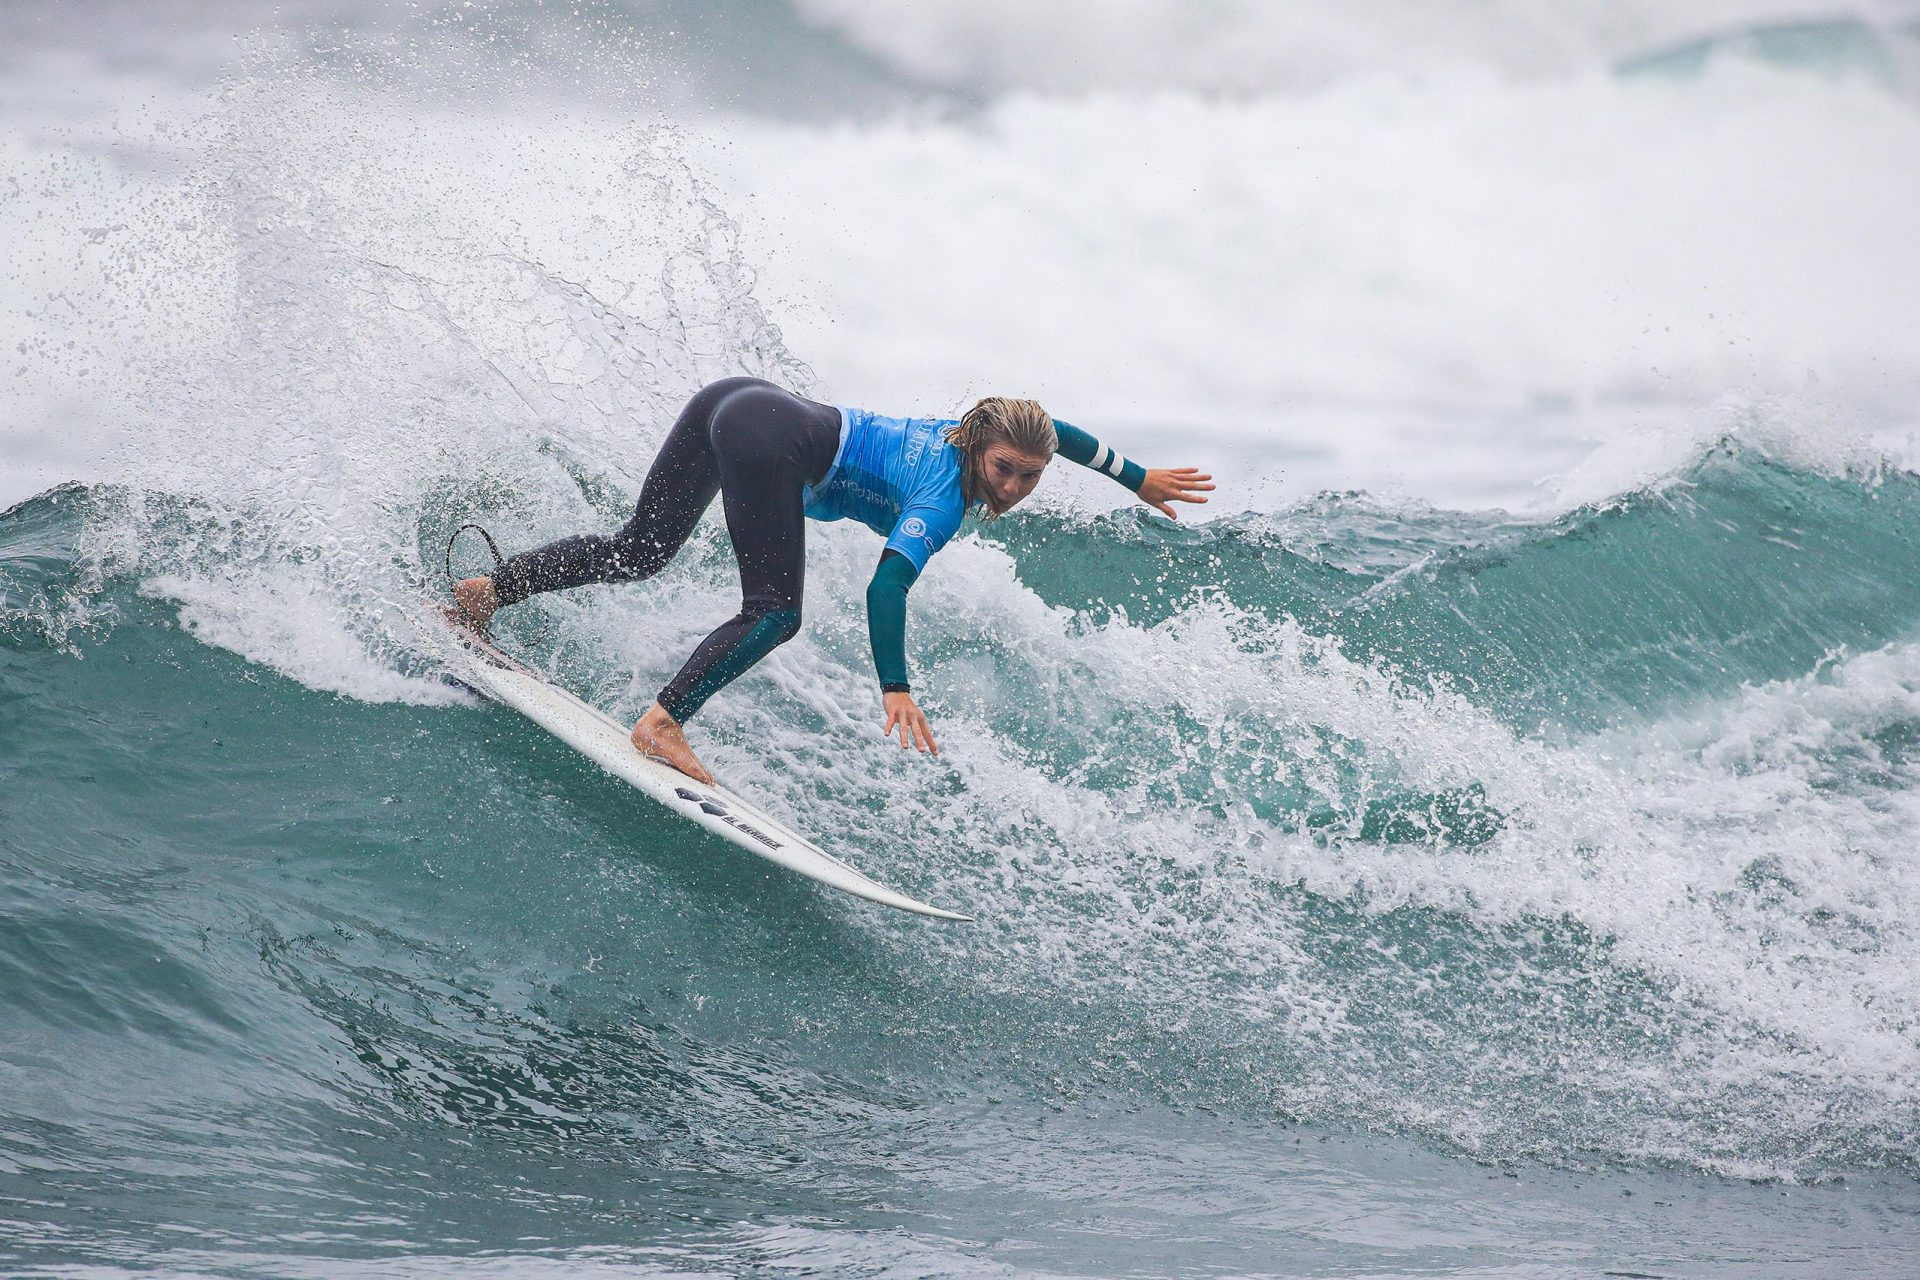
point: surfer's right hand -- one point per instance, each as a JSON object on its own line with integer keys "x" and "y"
{"x": 905, "y": 714}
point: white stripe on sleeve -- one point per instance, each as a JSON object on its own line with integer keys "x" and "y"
{"x": 1100, "y": 456}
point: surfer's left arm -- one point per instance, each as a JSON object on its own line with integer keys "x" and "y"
{"x": 893, "y": 577}
{"x": 1156, "y": 486}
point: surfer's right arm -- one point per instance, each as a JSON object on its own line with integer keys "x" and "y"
{"x": 893, "y": 577}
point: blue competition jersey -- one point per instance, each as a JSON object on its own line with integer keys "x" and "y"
{"x": 897, "y": 476}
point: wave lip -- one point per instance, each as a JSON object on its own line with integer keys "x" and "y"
{"x": 1741, "y": 566}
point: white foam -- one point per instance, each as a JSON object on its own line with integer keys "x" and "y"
{"x": 1250, "y": 46}
{"x": 1455, "y": 288}
{"x": 284, "y": 621}
{"x": 1444, "y": 289}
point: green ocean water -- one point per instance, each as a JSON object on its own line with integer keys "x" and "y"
{"x": 1374, "y": 960}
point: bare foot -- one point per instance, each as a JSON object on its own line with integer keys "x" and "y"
{"x": 659, "y": 737}
{"x": 477, "y": 600}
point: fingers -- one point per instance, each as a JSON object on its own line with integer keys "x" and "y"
{"x": 921, "y": 736}
{"x": 1175, "y": 484}
{"x": 915, "y": 733}
{"x": 1191, "y": 482}
{"x": 901, "y": 720}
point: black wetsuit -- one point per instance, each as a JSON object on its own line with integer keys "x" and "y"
{"x": 756, "y": 445}
{"x": 763, "y": 449}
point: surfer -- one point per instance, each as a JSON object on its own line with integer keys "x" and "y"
{"x": 776, "y": 459}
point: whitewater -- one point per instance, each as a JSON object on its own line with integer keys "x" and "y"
{"x": 1481, "y": 843}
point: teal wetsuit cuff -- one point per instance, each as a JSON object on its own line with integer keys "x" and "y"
{"x": 1081, "y": 447}
{"x": 887, "y": 619}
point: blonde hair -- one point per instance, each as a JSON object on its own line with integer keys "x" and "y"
{"x": 1021, "y": 425}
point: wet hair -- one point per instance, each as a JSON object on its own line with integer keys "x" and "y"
{"x": 1021, "y": 425}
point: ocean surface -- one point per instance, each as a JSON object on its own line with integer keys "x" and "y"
{"x": 1483, "y": 842}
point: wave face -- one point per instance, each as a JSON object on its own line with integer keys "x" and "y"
{"x": 1581, "y": 843}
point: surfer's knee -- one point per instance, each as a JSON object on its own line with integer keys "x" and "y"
{"x": 784, "y": 623}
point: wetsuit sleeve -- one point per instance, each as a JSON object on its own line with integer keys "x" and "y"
{"x": 887, "y": 618}
{"x": 1079, "y": 446}
{"x": 923, "y": 529}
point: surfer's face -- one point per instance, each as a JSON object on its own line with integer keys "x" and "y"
{"x": 1007, "y": 476}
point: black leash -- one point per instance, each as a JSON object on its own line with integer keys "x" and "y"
{"x": 492, "y": 546}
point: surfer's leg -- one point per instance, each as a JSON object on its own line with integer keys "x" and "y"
{"x": 678, "y": 488}
{"x": 769, "y": 445}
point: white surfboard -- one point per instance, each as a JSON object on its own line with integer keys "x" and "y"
{"x": 605, "y": 742}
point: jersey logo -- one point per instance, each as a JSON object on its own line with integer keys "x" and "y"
{"x": 916, "y": 445}
{"x": 914, "y": 527}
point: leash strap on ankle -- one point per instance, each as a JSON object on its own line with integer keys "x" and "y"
{"x": 492, "y": 546}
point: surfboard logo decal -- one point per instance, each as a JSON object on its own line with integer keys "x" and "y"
{"x": 709, "y": 805}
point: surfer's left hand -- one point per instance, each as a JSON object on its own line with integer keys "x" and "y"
{"x": 1174, "y": 484}
{"x": 905, "y": 713}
